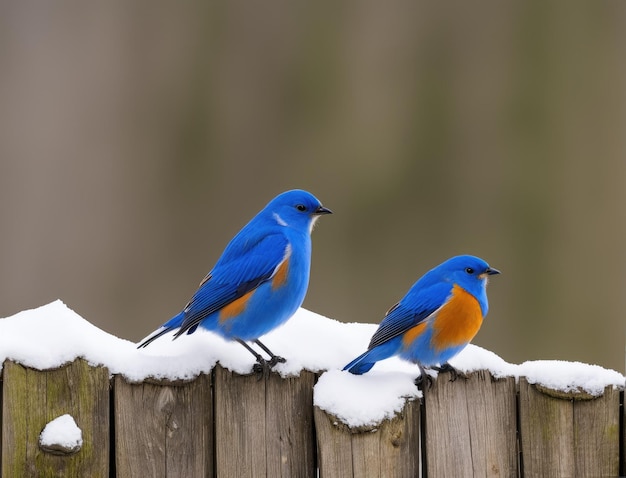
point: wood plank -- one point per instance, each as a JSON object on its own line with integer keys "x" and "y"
{"x": 32, "y": 398}
{"x": 546, "y": 433}
{"x": 623, "y": 426}
{"x": 391, "y": 449}
{"x": 334, "y": 446}
{"x": 239, "y": 424}
{"x": 596, "y": 435}
{"x": 163, "y": 429}
{"x": 570, "y": 434}
{"x": 470, "y": 426}
{"x": 264, "y": 427}
{"x": 290, "y": 438}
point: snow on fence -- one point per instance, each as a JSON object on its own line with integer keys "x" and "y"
{"x": 225, "y": 424}
{"x": 529, "y": 421}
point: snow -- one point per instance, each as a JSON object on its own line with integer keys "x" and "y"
{"x": 53, "y": 335}
{"x": 62, "y": 432}
{"x": 364, "y": 400}
{"x": 570, "y": 376}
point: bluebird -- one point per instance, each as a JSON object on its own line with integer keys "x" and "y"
{"x": 259, "y": 281}
{"x": 440, "y": 314}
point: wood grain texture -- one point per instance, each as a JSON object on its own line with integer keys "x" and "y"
{"x": 623, "y": 423}
{"x": 163, "y": 429}
{"x": 568, "y": 435}
{"x": 290, "y": 438}
{"x": 265, "y": 427}
{"x": 470, "y": 426}
{"x": 334, "y": 446}
{"x": 32, "y": 398}
{"x": 391, "y": 449}
{"x": 623, "y": 426}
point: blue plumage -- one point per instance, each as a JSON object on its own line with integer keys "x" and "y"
{"x": 261, "y": 278}
{"x": 435, "y": 320}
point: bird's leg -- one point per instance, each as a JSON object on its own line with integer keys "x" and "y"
{"x": 262, "y": 367}
{"x": 423, "y": 378}
{"x": 446, "y": 367}
{"x": 274, "y": 359}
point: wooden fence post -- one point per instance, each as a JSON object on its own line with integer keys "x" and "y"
{"x": 32, "y": 398}
{"x": 163, "y": 428}
{"x": 391, "y": 449}
{"x": 470, "y": 426}
{"x": 264, "y": 427}
{"x": 623, "y": 424}
{"x": 568, "y": 434}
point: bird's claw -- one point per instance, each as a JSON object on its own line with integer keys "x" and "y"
{"x": 420, "y": 382}
{"x": 263, "y": 367}
{"x": 454, "y": 373}
{"x": 423, "y": 379}
{"x": 276, "y": 360}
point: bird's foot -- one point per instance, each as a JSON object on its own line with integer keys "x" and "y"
{"x": 275, "y": 359}
{"x": 423, "y": 380}
{"x": 261, "y": 368}
{"x": 454, "y": 373}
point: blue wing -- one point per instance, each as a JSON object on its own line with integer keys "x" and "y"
{"x": 416, "y": 306}
{"x": 234, "y": 275}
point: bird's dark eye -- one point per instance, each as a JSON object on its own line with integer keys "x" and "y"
{"x": 301, "y": 207}
{"x": 469, "y": 270}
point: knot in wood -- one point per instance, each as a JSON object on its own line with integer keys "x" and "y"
{"x": 396, "y": 438}
{"x": 166, "y": 401}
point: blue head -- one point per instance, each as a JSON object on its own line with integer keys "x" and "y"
{"x": 468, "y": 272}
{"x": 296, "y": 208}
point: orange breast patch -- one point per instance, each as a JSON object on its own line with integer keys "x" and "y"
{"x": 414, "y": 332}
{"x": 458, "y": 320}
{"x": 280, "y": 277}
{"x": 236, "y": 307}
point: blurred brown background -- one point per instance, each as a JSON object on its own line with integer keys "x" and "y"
{"x": 136, "y": 138}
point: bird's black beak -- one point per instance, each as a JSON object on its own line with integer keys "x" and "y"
{"x": 322, "y": 210}
{"x": 491, "y": 271}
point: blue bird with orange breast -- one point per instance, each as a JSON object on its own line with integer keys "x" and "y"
{"x": 259, "y": 281}
{"x": 435, "y": 320}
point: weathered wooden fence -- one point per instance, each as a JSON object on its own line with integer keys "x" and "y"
{"x": 228, "y": 425}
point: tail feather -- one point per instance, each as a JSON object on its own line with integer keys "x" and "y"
{"x": 364, "y": 362}
{"x": 172, "y": 324}
{"x": 357, "y": 367}
{"x": 152, "y": 337}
